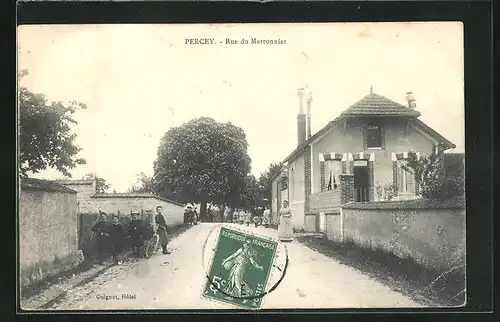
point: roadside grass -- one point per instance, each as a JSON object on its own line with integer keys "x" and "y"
{"x": 425, "y": 286}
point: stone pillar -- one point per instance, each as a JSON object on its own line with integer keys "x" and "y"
{"x": 346, "y": 188}
{"x": 371, "y": 181}
{"x": 395, "y": 176}
{"x": 322, "y": 173}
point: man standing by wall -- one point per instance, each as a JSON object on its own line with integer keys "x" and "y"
{"x": 162, "y": 229}
{"x": 101, "y": 229}
{"x": 136, "y": 233}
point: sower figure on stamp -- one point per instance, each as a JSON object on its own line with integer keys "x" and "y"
{"x": 101, "y": 229}
{"x": 116, "y": 234}
{"x": 162, "y": 229}
{"x": 285, "y": 228}
{"x": 135, "y": 232}
{"x": 237, "y": 265}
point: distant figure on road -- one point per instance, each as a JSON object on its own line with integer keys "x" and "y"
{"x": 236, "y": 216}
{"x": 248, "y": 217}
{"x": 256, "y": 220}
{"x": 241, "y": 216}
{"x": 116, "y": 234}
{"x": 101, "y": 229}
{"x": 285, "y": 228}
{"x": 266, "y": 217}
{"x": 162, "y": 229}
{"x": 136, "y": 234}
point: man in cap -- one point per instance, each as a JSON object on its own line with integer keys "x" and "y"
{"x": 136, "y": 233}
{"x": 101, "y": 229}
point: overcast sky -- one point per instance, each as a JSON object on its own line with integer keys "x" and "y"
{"x": 140, "y": 80}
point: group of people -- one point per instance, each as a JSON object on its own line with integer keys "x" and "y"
{"x": 111, "y": 236}
{"x": 242, "y": 216}
{"x": 285, "y": 226}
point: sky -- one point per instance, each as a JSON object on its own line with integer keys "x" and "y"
{"x": 140, "y": 80}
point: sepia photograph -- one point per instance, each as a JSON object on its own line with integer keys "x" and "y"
{"x": 241, "y": 166}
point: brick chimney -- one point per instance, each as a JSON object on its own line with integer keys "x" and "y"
{"x": 410, "y": 99}
{"x": 309, "y": 100}
{"x": 301, "y": 118}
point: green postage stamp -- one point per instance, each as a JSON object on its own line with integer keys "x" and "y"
{"x": 240, "y": 268}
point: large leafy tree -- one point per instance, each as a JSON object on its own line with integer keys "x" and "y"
{"x": 45, "y": 137}
{"x": 251, "y": 198}
{"x": 265, "y": 188}
{"x": 101, "y": 184}
{"x": 203, "y": 161}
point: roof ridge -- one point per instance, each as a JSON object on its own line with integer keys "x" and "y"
{"x": 376, "y": 104}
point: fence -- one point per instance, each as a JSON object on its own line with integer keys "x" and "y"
{"x": 361, "y": 195}
{"x": 86, "y": 237}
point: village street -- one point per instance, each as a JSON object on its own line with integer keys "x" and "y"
{"x": 175, "y": 281}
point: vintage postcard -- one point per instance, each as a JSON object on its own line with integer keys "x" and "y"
{"x": 241, "y": 166}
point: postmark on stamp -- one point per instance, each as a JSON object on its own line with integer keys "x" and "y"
{"x": 240, "y": 268}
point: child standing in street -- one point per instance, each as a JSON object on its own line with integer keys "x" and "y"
{"x": 116, "y": 234}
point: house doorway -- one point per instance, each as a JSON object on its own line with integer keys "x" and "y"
{"x": 361, "y": 181}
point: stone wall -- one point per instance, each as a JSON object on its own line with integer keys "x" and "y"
{"x": 431, "y": 233}
{"x": 85, "y": 190}
{"x": 48, "y": 234}
{"x": 333, "y": 227}
{"x": 311, "y": 222}
{"x": 173, "y": 213}
{"x": 325, "y": 201}
{"x": 346, "y": 188}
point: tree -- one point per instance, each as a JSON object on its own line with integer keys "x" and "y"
{"x": 45, "y": 137}
{"x": 144, "y": 184}
{"x": 202, "y": 161}
{"x": 435, "y": 178}
{"x": 101, "y": 185}
{"x": 251, "y": 198}
{"x": 265, "y": 188}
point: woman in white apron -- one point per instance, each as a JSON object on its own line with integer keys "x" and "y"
{"x": 285, "y": 228}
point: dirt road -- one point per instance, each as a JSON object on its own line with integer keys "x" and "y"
{"x": 175, "y": 281}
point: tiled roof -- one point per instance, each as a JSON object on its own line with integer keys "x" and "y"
{"x": 44, "y": 185}
{"x": 134, "y": 195}
{"x": 75, "y": 182}
{"x": 370, "y": 105}
{"x": 377, "y": 105}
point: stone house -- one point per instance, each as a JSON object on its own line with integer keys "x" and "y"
{"x": 48, "y": 230}
{"x": 122, "y": 203}
{"x": 360, "y": 152}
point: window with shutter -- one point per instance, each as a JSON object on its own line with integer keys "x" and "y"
{"x": 405, "y": 180}
{"x": 333, "y": 170}
{"x": 373, "y": 137}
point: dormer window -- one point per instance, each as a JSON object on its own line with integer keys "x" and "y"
{"x": 373, "y": 134}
